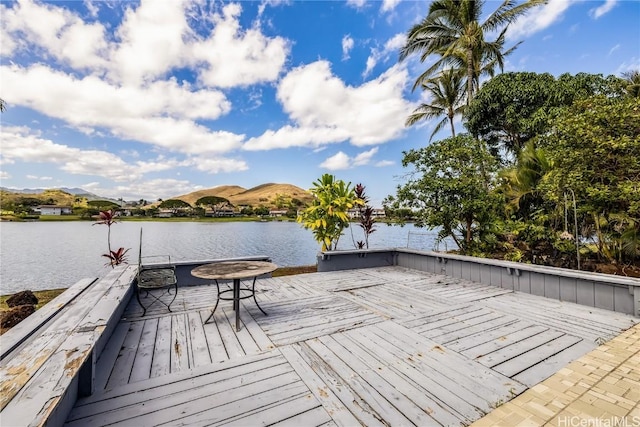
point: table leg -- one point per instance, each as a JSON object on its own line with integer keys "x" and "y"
{"x": 236, "y": 302}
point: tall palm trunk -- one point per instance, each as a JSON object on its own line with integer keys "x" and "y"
{"x": 453, "y": 130}
{"x": 469, "y": 75}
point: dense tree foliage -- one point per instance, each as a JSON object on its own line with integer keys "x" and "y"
{"x": 103, "y": 205}
{"x": 451, "y": 186}
{"x": 512, "y": 108}
{"x": 212, "y": 201}
{"x": 595, "y": 149}
{"x": 570, "y": 191}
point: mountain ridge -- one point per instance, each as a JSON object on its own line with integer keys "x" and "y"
{"x": 263, "y": 194}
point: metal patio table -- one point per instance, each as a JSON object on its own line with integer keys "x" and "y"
{"x": 236, "y": 271}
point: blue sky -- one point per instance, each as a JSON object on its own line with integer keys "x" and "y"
{"x": 160, "y": 98}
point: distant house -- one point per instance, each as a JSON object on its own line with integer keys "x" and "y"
{"x": 376, "y": 213}
{"x": 225, "y": 211}
{"x": 164, "y": 213}
{"x": 53, "y": 210}
{"x": 277, "y": 212}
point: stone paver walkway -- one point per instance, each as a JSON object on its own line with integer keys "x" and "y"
{"x": 602, "y": 388}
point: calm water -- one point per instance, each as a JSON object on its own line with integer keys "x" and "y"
{"x": 47, "y": 255}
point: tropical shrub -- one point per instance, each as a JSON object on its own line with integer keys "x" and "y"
{"x": 119, "y": 256}
{"x": 327, "y": 216}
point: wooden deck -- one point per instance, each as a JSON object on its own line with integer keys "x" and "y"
{"x": 381, "y": 346}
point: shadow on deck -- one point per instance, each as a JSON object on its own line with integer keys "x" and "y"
{"x": 377, "y": 346}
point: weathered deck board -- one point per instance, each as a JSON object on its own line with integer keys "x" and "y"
{"x": 588, "y": 322}
{"x": 381, "y": 346}
{"x": 393, "y": 300}
{"x": 299, "y": 320}
{"x": 219, "y": 390}
{"x": 515, "y": 348}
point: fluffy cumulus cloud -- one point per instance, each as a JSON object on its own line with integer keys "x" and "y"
{"x": 341, "y": 161}
{"x": 325, "y": 110}
{"x": 231, "y": 57}
{"x": 160, "y": 78}
{"x": 136, "y": 101}
{"x": 338, "y": 161}
{"x": 21, "y": 144}
{"x": 61, "y": 33}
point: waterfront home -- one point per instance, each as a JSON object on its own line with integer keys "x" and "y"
{"x": 53, "y": 210}
{"x": 277, "y": 213}
{"x": 376, "y": 337}
{"x": 375, "y": 213}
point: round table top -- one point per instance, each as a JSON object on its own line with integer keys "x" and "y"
{"x": 226, "y": 270}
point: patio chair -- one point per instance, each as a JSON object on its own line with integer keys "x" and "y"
{"x": 156, "y": 275}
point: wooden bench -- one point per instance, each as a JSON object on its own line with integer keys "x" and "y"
{"x": 48, "y": 360}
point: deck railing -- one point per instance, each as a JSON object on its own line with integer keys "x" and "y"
{"x": 616, "y": 293}
{"x": 48, "y": 360}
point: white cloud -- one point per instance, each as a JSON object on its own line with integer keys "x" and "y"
{"x": 358, "y": 4}
{"x": 338, "y": 161}
{"x": 631, "y": 65}
{"x": 341, "y": 161}
{"x": 347, "y": 45}
{"x": 597, "y": 12}
{"x": 384, "y": 163}
{"x": 538, "y": 18}
{"x": 389, "y": 5}
{"x": 153, "y": 39}
{"x": 230, "y": 57}
{"x": 92, "y": 8}
{"x": 21, "y": 144}
{"x": 326, "y": 111}
{"x": 41, "y": 178}
{"x": 4, "y": 175}
{"x": 150, "y": 41}
{"x": 150, "y": 190}
{"x": 392, "y": 46}
{"x": 365, "y": 157}
{"x": 613, "y": 49}
{"x": 160, "y": 113}
{"x": 60, "y": 32}
{"x": 218, "y": 165}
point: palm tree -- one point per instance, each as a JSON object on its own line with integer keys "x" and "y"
{"x": 632, "y": 82}
{"x": 447, "y": 99}
{"x": 453, "y": 30}
{"x": 521, "y": 183}
{"x": 3, "y": 106}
